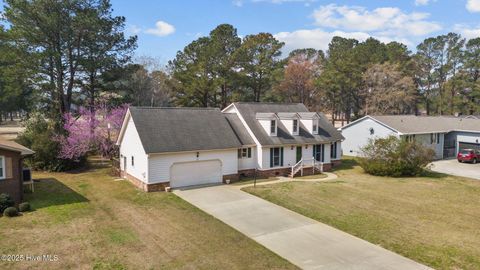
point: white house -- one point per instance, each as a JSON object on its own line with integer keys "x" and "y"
{"x": 445, "y": 135}
{"x": 178, "y": 147}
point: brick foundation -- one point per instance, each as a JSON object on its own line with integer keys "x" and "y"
{"x": 336, "y": 162}
{"x": 327, "y": 167}
{"x": 144, "y": 186}
{"x": 273, "y": 172}
{"x": 232, "y": 177}
{"x": 247, "y": 173}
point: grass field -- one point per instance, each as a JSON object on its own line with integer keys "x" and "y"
{"x": 91, "y": 221}
{"x": 433, "y": 219}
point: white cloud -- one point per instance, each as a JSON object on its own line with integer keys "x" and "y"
{"x": 319, "y": 39}
{"x": 421, "y": 2}
{"x": 237, "y": 3}
{"x": 473, "y": 5}
{"x": 133, "y": 29}
{"x": 283, "y": 1}
{"x": 384, "y": 21}
{"x": 467, "y": 32}
{"x": 161, "y": 29}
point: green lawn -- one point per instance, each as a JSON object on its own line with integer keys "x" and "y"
{"x": 91, "y": 221}
{"x": 433, "y": 219}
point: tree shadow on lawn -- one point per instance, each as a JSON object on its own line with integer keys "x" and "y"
{"x": 346, "y": 164}
{"x": 431, "y": 174}
{"x": 51, "y": 192}
{"x": 90, "y": 166}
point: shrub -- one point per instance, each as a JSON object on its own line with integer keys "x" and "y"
{"x": 24, "y": 207}
{"x": 5, "y": 202}
{"x": 10, "y": 212}
{"x": 39, "y": 135}
{"x": 392, "y": 156}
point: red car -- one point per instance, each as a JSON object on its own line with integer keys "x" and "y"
{"x": 468, "y": 155}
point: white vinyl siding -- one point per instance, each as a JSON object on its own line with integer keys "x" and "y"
{"x": 248, "y": 163}
{"x": 426, "y": 140}
{"x": 131, "y": 148}
{"x": 289, "y": 125}
{"x": 266, "y": 125}
{"x": 358, "y": 135}
{"x": 309, "y": 124}
{"x": 160, "y": 164}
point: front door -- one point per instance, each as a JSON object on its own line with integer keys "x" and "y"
{"x": 299, "y": 153}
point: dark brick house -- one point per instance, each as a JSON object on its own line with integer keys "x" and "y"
{"x": 11, "y": 166}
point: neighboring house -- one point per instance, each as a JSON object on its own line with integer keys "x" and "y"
{"x": 446, "y": 135}
{"x": 11, "y": 168}
{"x": 177, "y": 147}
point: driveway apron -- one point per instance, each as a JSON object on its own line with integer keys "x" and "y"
{"x": 302, "y": 241}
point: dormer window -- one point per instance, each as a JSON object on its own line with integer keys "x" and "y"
{"x": 295, "y": 127}
{"x": 315, "y": 126}
{"x": 273, "y": 127}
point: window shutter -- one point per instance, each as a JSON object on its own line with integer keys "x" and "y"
{"x": 281, "y": 156}
{"x": 336, "y": 150}
{"x": 8, "y": 168}
{"x": 240, "y": 153}
{"x": 249, "y": 152}
{"x": 271, "y": 157}
{"x": 314, "y": 147}
{"x": 323, "y": 152}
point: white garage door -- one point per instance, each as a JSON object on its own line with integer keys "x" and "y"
{"x": 195, "y": 173}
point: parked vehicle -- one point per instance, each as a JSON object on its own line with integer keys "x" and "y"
{"x": 468, "y": 155}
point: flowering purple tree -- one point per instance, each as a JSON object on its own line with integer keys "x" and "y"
{"x": 91, "y": 130}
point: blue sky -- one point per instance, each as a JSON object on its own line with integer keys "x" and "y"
{"x": 164, "y": 27}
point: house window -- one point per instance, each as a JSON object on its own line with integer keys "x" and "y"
{"x": 2, "y": 167}
{"x": 295, "y": 126}
{"x": 438, "y": 138}
{"x": 133, "y": 162}
{"x": 276, "y": 157}
{"x": 315, "y": 126}
{"x": 244, "y": 153}
{"x": 333, "y": 150}
{"x": 273, "y": 127}
{"x": 434, "y": 138}
{"x": 319, "y": 152}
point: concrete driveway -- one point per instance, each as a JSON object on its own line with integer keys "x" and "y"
{"x": 304, "y": 242}
{"x": 453, "y": 167}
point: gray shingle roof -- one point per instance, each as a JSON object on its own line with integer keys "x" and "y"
{"x": 327, "y": 132}
{"x": 307, "y": 115}
{"x": 287, "y": 115}
{"x": 428, "y": 124}
{"x": 13, "y": 146}
{"x": 268, "y": 115}
{"x": 239, "y": 129}
{"x": 183, "y": 129}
